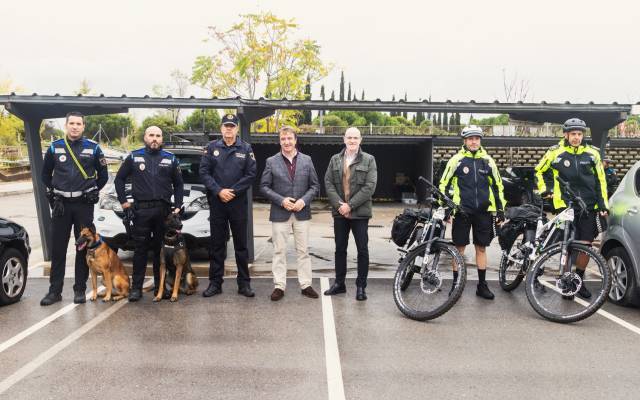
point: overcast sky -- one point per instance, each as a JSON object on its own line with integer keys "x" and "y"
{"x": 567, "y": 50}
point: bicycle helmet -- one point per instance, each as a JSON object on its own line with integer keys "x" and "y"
{"x": 574, "y": 124}
{"x": 471, "y": 130}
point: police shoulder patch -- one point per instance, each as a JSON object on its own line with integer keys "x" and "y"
{"x": 103, "y": 161}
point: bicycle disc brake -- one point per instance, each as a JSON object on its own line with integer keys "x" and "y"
{"x": 431, "y": 281}
{"x": 569, "y": 283}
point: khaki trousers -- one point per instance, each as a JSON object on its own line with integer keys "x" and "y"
{"x": 280, "y": 237}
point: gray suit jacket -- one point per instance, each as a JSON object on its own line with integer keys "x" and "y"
{"x": 276, "y": 184}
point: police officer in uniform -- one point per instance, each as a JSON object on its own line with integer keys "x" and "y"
{"x": 74, "y": 172}
{"x": 155, "y": 177}
{"x": 478, "y": 191}
{"x": 228, "y": 169}
{"x": 580, "y": 165}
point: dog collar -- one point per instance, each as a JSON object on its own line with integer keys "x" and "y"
{"x": 96, "y": 244}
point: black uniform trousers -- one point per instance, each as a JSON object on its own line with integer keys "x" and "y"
{"x": 224, "y": 215}
{"x": 359, "y": 227}
{"x": 148, "y": 232}
{"x": 77, "y": 214}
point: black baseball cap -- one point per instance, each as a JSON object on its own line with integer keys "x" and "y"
{"x": 229, "y": 119}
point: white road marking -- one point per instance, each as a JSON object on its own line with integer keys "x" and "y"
{"x": 39, "y": 325}
{"x": 58, "y": 347}
{"x": 331, "y": 352}
{"x": 602, "y": 312}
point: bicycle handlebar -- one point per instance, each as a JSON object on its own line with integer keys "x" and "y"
{"x": 566, "y": 187}
{"x": 447, "y": 201}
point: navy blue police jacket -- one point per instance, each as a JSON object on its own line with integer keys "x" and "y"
{"x": 61, "y": 172}
{"x": 228, "y": 167}
{"x": 155, "y": 175}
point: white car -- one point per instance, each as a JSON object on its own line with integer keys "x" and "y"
{"x": 108, "y": 212}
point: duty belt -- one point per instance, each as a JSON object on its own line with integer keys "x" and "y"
{"x": 150, "y": 204}
{"x": 70, "y": 195}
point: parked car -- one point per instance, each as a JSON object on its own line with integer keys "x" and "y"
{"x": 620, "y": 244}
{"x": 14, "y": 258}
{"x": 196, "y": 230}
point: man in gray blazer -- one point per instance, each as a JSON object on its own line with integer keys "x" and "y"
{"x": 290, "y": 182}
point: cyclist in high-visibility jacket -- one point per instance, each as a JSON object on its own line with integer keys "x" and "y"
{"x": 580, "y": 165}
{"x": 477, "y": 188}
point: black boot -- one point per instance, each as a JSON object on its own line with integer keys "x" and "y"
{"x": 79, "y": 297}
{"x": 135, "y": 295}
{"x": 336, "y": 288}
{"x": 50, "y": 298}
{"x": 246, "y": 291}
{"x": 360, "y": 294}
{"x": 483, "y": 291}
{"x": 212, "y": 290}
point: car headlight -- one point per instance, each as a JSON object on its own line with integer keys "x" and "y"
{"x": 109, "y": 202}
{"x": 201, "y": 203}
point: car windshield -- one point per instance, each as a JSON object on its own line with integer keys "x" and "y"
{"x": 189, "y": 166}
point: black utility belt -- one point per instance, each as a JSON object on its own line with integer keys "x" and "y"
{"x": 143, "y": 204}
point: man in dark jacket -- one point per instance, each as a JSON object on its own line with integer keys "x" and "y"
{"x": 350, "y": 181}
{"x": 74, "y": 171}
{"x": 155, "y": 178}
{"x": 290, "y": 182}
{"x": 227, "y": 170}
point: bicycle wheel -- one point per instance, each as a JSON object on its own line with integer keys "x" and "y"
{"x": 513, "y": 266}
{"x": 427, "y": 297}
{"x": 557, "y": 297}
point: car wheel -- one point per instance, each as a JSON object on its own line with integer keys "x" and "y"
{"x": 623, "y": 277}
{"x": 13, "y": 276}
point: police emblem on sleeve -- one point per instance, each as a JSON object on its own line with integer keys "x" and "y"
{"x": 62, "y": 158}
{"x": 465, "y": 170}
{"x": 103, "y": 161}
{"x": 252, "y": 156}
{"x": 567, "y": 163}
{"x": 216, "y": 153}
{"x": 141, "y": 167}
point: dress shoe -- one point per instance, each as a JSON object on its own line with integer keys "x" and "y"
{"x": 135, "y": 295}
{"x": 212, "y": 290}
{"x": 336, "y": 288}
{"x": 309, "y": 292}
{"x": 277, "y": 294}
{"x": 246, "y": 291}
{"x": 483, "y": 291}
{"x": 79, "y": 297}
{"x": 50, "y": 298}
{"x": 361, "y": 295}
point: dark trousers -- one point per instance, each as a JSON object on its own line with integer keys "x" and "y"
{"x": 223, "y": 216}
{"x": 359, "y": 228}
{"x": 77, "y": 215}
{"x": 148, "y": 231}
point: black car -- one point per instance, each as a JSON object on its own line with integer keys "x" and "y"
{"x": 14, "y": 255}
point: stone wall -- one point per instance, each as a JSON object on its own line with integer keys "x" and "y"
{"x": 623, "y": 157}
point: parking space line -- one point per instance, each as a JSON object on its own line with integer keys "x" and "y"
{"x": 58, "y": 347}
{"x": 331, "y": 351}
{"x": 39, "y": 325}
{"x": 602, "y": 312}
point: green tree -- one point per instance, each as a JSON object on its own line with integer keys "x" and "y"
{"x": 333, "y": 95}
{"x": 11, "y": 127}
{"x": 445, "y": 121}
{"x": 193, "y": 123}
{"x": 502, "y": 119}
{"x": 404, "y": 113}
{"x": 164, "y": 121}
{"x": 178, "y": 87}
{"x": 259, "y": 53}
{"x": 393, "y": 113}
{"x": 331, "y": 120}
{"x": 349, "y": 92}
{"x": 306, "y": 114}
{"x": 113, "y": 126}
{"x": 84, "y": 89}
{"x": 362, "y": 97}
{"x": 322, "y": 93}
{"x": 342, "y": 86}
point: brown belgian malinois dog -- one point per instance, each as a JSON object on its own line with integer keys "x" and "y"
{"x": 174, "y": 261}
{"x": 102, "y": 259}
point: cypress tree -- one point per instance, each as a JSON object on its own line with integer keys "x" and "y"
{"x": 333, "y": 95}
{"x": 405, "y": 114}
{"x": 322, "y": 92}
{"x": 349, "y": 93}
{"x": 393, "y": 113}
{"x": 342, "y": 86}
{"x": 362, "y": 97}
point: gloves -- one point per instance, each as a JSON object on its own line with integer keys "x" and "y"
{"x": 546, "y": 194}
{"x": 129, "y": 215}
{"x": 92, "y": 197}
{"x": 57, "y": 209}
{"x": 51, "y": 197}
{"x": 499, "y": 216}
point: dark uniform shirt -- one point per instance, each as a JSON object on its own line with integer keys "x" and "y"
{"x": 228, "y": 167}
{"x": 61, "y": 172}
{"x": 155, "y": 175}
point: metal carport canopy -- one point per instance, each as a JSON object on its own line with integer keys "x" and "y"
{"x": 32, "y": 109}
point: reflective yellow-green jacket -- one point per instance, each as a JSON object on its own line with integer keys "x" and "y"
{"x": 475, "y": 181}
{"x": 580, "y": 166}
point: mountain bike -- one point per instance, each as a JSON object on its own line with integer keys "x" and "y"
{"x": 423, "y": 286}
